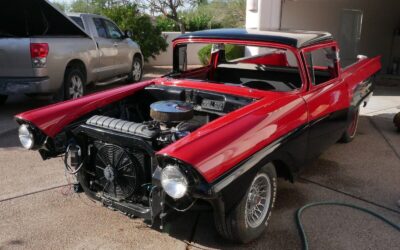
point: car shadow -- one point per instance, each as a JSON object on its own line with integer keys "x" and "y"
{"x": 197, "y": 229}
{"x": 9, "y": 139}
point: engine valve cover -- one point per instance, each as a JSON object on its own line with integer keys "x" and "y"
{"x": 171, "y": 111}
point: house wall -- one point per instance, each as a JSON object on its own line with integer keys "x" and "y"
{"x": 380, "y": 19}
{"x": 165, "y": 58}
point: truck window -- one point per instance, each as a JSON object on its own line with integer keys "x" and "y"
{"x": 78, "y": 21}
{"x": 100, "y": 27}
{"x": 113, "y": 30}
{"x": 321, "y": 65}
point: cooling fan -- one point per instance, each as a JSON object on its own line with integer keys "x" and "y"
{"x": 116, "y": 171}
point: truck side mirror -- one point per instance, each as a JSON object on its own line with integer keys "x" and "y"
{"x": 128, "y": 33}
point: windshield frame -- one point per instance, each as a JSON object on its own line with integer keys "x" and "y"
{"x": 185, "y": 41}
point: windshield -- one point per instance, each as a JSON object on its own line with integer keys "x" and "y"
{"x": 263, "y": 68}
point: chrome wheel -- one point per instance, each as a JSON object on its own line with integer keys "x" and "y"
{"x": 137, "y": 71}
{"x": 258, "y": 200}
{"x": 75, "y": 89}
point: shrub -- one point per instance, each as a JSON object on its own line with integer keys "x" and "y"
{"x": 147, "y": 35}
{"x": 204, "y": 54}
{"x": 231, "y": 52}
{"x": 193, "y": 21}
{"x": 166, "y": 24}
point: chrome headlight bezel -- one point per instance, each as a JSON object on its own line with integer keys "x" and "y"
{"x": 26, "y": 136}
{"x": 174, "y": 182}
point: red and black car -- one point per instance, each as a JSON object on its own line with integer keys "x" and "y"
{"x": 264, "y": 104}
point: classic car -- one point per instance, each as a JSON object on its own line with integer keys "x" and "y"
{"x": 264, "y": 105}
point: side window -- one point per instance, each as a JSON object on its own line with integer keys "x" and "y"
{"x": 78, "y": 20}
{"x": 113, "y": 30}
{"x": 321, "y": 65}
{"x": 100, "y": 27}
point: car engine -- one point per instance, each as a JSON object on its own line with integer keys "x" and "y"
{"x": 115, "y": 147}
{"x": 171, "y": 121}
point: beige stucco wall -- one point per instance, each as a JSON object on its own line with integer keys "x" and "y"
{"x": 165, "y": 58}
{"x": 381, "y": 17}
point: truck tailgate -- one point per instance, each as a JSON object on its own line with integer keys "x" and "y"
{"x": 15, "y": 57}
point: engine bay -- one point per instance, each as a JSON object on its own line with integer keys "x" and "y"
{"x": 116, "y": 145}
{"x": 162, "y": 115}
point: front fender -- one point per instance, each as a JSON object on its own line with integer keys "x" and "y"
{"x": 218, "y": 147}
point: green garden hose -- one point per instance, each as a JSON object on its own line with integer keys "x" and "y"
{"x": 333, "y": 203}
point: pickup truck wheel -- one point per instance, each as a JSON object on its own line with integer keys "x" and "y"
{"x": 3, "y": 99}
{"x": 351, "y": 130}
{"x": 249, "y": 219}
{"x": 137, "y": 70}
{"x": 74, "y": 84}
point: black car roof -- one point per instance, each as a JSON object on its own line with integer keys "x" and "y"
{"x": 294, "y": 38}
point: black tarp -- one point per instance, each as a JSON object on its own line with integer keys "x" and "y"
{"x": 27, "y": 18}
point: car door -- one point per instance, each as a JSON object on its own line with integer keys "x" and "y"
{"x": 107, "y": 49}
{"x": 327, "y": 97}
{"x": 123, "y": 60}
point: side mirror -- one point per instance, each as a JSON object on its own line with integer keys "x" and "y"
{"x": 128, "y": 33}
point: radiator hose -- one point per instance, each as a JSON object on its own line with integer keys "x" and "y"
{"x": 333, "y": 203}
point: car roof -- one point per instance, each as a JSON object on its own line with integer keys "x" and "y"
{"x": 294, "y": 38}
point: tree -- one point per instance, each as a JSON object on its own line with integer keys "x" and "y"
{"x": 228, "y": 13}
{"x": 170, "y": 9}
{"x": 62, "y": 6}
{"x": 147, "y": 35}
{"x": 87, "y": 6}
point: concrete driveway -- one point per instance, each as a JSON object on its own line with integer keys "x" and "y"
{"x": 38, "y": 210}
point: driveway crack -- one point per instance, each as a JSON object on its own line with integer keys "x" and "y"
{"x": 384, "y": 137}
{"x": 351, "y": 195}
{"x": 34, "y": 192}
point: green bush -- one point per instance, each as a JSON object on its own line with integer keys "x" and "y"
{"x": 147, "y": 35}
{"x": 166, "y": 24}
{"x": 231, "y": 52}
{"x": 199, "y": 21}
{"x": 204, "y": 54}
{"x": 193, "y": 21}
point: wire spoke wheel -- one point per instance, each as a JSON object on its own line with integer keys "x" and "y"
{"x": 258, "y": 200}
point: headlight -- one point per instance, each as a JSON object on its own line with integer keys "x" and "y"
{"x": 174, "y": 182}
{"x": 25, "y": 136}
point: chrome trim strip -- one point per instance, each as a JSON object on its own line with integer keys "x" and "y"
{"x": 246, "y": 166}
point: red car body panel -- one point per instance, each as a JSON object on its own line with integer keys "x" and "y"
{"x": 220, "y": 145}
{"x": 223, "y": 143}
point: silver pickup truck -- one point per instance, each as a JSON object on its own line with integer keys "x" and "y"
{"x": 44, "y": 52}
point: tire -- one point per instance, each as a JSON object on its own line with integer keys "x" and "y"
{"x": 351, "y": 130}
{"x": 3, "y": 99}
{"x": 137, "y": 70}
{"x": 239, "y": 225}
{"x": 72, "y": 74}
